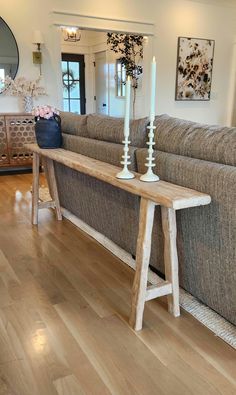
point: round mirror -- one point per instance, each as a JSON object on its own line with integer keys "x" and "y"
{"x": 9, "y": 54}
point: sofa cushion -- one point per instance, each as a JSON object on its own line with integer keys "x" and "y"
{"x": 100, "y": 150}
{"x": 102, "y": 127}
{"x": 74, "y": 124}
{"x": 186, "y": 138}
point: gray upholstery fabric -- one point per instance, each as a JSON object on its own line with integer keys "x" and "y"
{"x": 206, "y": 235}
{"x": 212, "y": 143}
{"x": 74, "y": 124}
{"x": 111, "y": 129}
{"x": 100, "y": 150}
{"x": 109, "y": 210}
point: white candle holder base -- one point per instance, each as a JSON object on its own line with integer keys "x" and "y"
{"x": 149, "y": 177}
{"x": 125, "y": 174}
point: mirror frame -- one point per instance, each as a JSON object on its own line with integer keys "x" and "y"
{"x": 17, "y": 49}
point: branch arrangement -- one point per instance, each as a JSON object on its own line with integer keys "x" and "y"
{"x": 130, "y": 48}
{"x": 22, "y": 87}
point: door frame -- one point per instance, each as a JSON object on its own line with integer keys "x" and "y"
{"x": 93, "y": 22}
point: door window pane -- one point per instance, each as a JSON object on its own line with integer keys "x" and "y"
{"x": 64, "y": 66}
{"x": 75, "y": 106}
{"x": 65, "y": 92}
{"x": 75, "y": 91}
{"x": 66, "y": 105}
{"x": 120, "y": 79}
{"x": 74, "y": 68}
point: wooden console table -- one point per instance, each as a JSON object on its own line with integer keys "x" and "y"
{"x": 169, "y": 196}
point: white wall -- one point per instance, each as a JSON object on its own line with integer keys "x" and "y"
{"x": 202, "y": 21}
{"x": 172, "y": 18}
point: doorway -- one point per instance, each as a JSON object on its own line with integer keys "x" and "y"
{"x": 73, "y": 79}
{"x": 101, "y": 83}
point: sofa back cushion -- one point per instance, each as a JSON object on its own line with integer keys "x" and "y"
{"x": 74, "y": 124}
{"x": 101, "y": 127}
{"x": 100, "y": 150}
{"x": 195, "y": 140}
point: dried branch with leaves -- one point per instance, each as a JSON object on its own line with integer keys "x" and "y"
{"x": 130, "y": 47}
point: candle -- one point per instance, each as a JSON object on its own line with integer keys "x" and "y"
{"x": 153, "y": 89}
{"x": 125, "y": 174}
{"x": 127, "y": 106}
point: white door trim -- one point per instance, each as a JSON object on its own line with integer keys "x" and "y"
{"x": 63, "y": 18}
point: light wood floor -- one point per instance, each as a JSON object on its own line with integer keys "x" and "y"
{"x": 64, "y": 306}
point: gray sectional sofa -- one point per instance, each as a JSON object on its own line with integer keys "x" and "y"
{"x": 197, "y": 156}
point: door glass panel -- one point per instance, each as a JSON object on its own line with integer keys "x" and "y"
{"x": 75, "y": 106}
{"x": 74, "y": 68}
{"x": 65, "y": 92}
{"x": 75, "y": 91}
{"x": 64, "y": 66}
{"x": 66, "y": 105}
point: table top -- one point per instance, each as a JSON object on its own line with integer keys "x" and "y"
{"x": 160, "y": 192}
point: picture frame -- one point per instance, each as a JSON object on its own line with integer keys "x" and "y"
{"x": 194, "y": 69}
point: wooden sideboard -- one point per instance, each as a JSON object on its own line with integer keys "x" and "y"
{"x": 16, "y": 129}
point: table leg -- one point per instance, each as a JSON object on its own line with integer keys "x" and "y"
{"x": 48, "y": 163}
{"x": 35, "y": 189}
{"x": 143, "y": 251}
{"x": 171, "y": 258}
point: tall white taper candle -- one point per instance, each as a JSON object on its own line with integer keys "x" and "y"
{"x": 153, "y": 89}
{"x": 127, "y": 106}
{"x": 149, "y": 176}
{"x": 125, "y": 173}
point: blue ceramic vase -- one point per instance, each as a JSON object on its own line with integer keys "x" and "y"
{"x": 48, "y": 132}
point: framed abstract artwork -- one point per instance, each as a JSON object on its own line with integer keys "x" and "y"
{"x": 194, "y": 68}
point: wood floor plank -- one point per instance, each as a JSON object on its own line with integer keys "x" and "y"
{"x": 65, "y": 344}
{"x": 218, "y": 353}
{"x": 68, "y": 385}
{"x": 120, "y": 374}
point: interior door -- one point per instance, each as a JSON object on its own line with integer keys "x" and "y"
{"x": 101, "y": 83}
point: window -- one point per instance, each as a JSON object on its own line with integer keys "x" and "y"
{"x": 73, "y": 83}
{"x": 120, "y": 79}
{"x": 2, "y": 77}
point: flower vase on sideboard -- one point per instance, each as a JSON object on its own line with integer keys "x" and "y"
{"x": 28, "y": 104}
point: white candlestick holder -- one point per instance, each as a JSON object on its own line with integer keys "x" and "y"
{"x": 149, "y": 176}
{"x": 125, "y": 174}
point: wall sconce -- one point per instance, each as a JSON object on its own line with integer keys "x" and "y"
{"x": 37, "y": 55}
{"x": 71, "y": 34}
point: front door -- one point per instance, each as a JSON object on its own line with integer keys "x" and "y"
{"x": 73, "y": 83}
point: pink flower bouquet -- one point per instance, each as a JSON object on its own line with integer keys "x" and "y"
{"x": 45, "y": 112}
